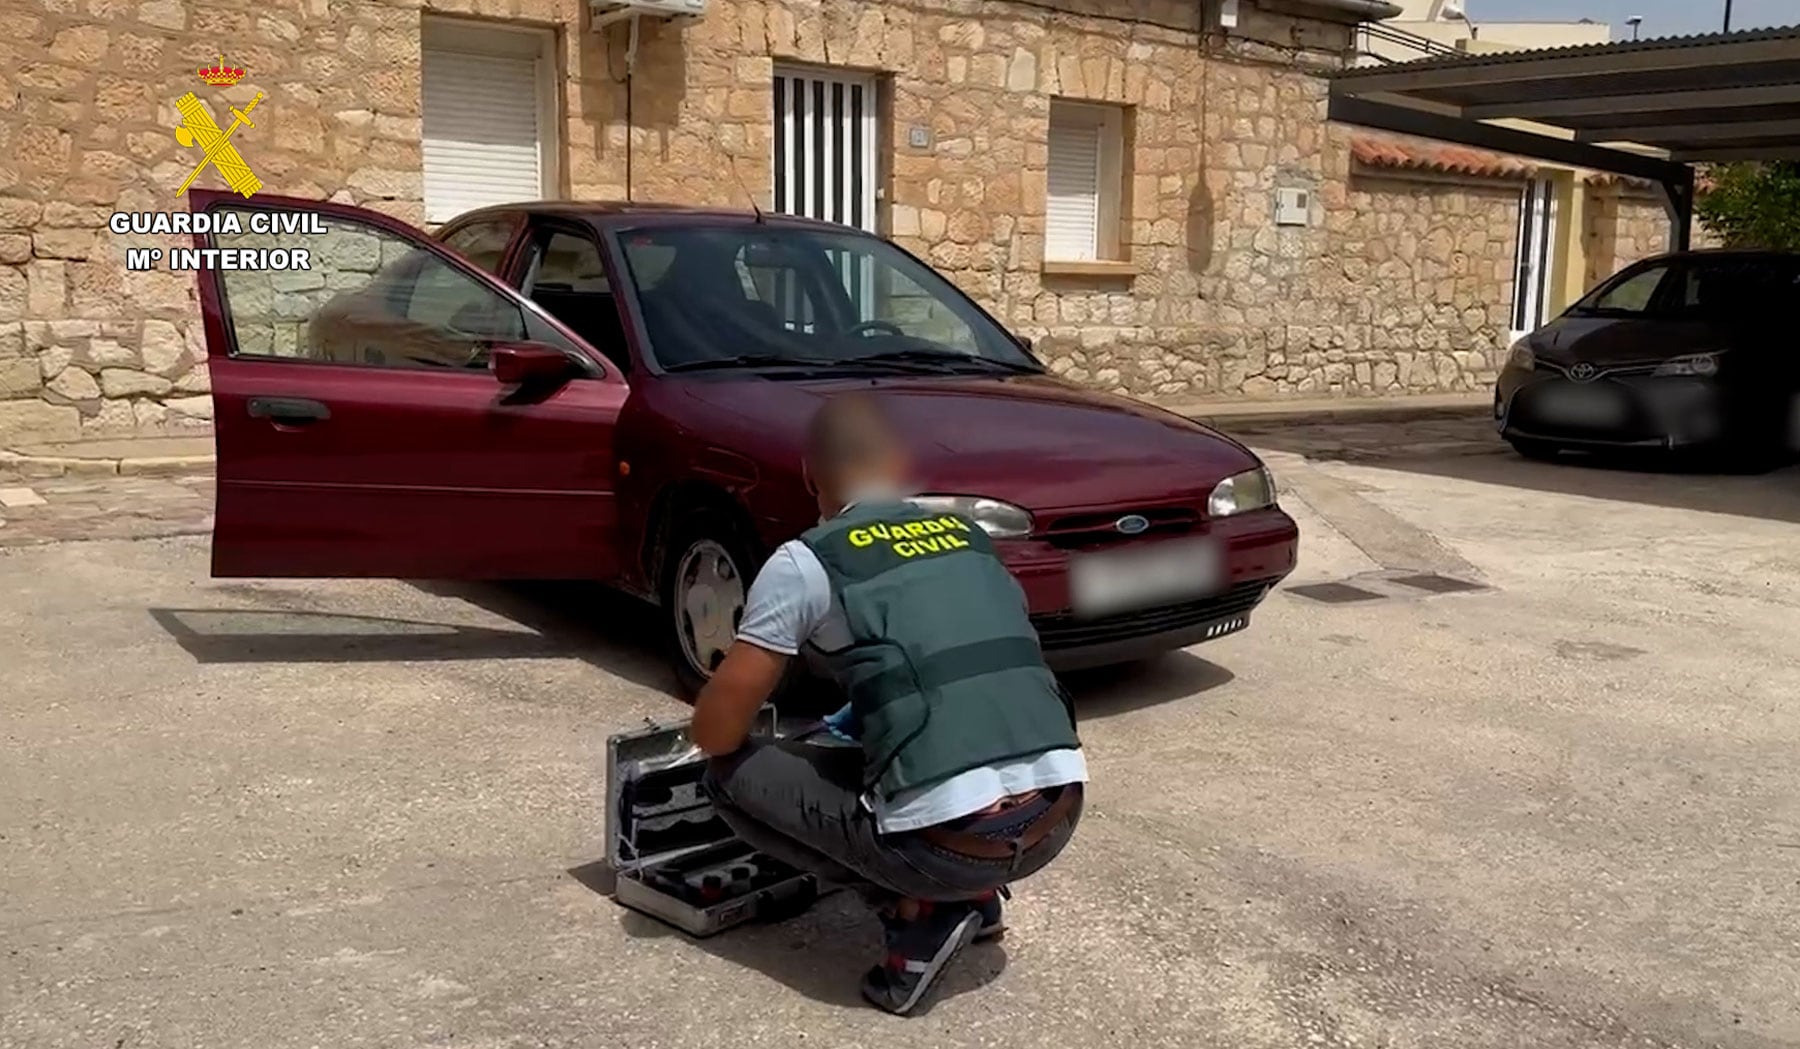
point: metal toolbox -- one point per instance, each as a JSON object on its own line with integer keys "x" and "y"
{"x": 669, "y": 853}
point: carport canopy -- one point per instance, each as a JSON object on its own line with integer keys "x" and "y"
{"x": 1649, "y": 109}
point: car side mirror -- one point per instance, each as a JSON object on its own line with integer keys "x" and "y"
{"x": 521, "y": 364}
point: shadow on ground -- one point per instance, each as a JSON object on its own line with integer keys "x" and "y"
{"x": 1110, "y": 691}
{"x": 557, "y": 620}
{"x": 822, "y": 952}
{"x": 233, "y": 635}
{"x": 1461, "y": 444}
{"x": 612, "y": 631}
{"x": 616, "y": 632}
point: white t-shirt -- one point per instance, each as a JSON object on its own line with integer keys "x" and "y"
{"x": 790, "y": 604}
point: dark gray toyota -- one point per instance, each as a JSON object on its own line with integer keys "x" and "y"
{"x": 1698, "y": 350}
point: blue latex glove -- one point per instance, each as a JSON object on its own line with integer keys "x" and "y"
{"x": 844, "y": 725}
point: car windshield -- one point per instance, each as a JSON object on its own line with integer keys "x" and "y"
{"x": 756, "y": 295}
{"x": 1700, "y": 288}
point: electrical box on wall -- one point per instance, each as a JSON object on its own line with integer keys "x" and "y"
{"x": 605, "y": 12}
{"x": 1293, "y": 207}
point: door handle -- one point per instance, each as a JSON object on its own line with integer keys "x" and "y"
{"x": 292, "y": 410}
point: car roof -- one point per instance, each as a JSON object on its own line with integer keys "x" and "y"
{"x": 1729, "y": 253}
{"x": 622, "y": 213}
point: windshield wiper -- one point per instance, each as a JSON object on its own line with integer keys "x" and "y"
{"x": 941, "y": 358}
{"x": 753, "y": 360}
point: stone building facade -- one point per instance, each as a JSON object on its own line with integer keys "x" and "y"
{"x": 1377, "y": 279}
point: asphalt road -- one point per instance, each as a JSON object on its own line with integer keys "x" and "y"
{"x": 1558, "y": 810}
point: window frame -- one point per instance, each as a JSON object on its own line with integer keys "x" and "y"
{"x": 494, "y": 39}
{"x": 613, "y": 234}
{"x": 514, "y": 221}
{"x": 1109, "y": 122}
{"x": 538, "y": 328}
{"x": 538, "y": 236}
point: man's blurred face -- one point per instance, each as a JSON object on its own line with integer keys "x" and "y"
{"x": 856, "y": 457}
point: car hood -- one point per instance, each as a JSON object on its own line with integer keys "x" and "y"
{"x": 1036, "y": 441}
{"x": 1614, "y": 340}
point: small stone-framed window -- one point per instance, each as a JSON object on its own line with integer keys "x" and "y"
{"x": 1086, "y": 184}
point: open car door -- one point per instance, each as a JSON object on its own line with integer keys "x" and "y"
{"x": 384, "y": 408}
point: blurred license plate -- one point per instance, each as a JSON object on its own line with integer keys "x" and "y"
{"x": 1582, "y": 406}
{"x": 1156, "y": 574}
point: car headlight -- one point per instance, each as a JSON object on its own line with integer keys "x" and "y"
{"x": 1521, "y": 357}
{"x": 1701, "y": 364}
{"x": 1241, "y": 493}
{"x": 999, "y": 520}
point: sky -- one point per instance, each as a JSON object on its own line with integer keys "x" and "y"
{"x": 1661, "y": 17}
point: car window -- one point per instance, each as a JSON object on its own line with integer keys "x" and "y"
{"x": 370, "y": 297}
{"x": 568, "y": 279}
{"x": 714, "y": 294}
{"x": 568, "y": 262}
{"x": 1633, "y": 294}
{"x": 483, "y": 243}
{"x": 776, "y": 283}
{"x": 1723, "y": 288}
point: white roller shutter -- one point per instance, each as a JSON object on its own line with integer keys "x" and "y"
{"x": 483, "y": 144}
{"x": 1072, "y": 213}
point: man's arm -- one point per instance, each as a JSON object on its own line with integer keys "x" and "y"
{"x": 737, "y": 690}
{"x": 783, "y": 608}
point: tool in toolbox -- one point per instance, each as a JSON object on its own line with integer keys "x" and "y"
{"x": 669, "y": 853}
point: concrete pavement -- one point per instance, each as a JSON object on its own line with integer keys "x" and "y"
{"x": 1558, "y": 810}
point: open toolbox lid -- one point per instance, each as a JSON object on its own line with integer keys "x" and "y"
{"x": 656, "y": 809}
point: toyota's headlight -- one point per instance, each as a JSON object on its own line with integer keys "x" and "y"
{"x": 1241, "y": 493}
{"x": 1701, "y": 364}
{"x": 1521, "y": 357}
{"x": 997, "y": 519}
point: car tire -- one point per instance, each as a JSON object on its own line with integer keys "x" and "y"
{"x": 1533, "y": 449}
{"x": 705, "y": 579}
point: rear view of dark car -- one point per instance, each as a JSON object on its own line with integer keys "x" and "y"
{"x": 1695, "y": 351}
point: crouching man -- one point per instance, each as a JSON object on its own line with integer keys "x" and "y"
{"x": 967, "y": 775}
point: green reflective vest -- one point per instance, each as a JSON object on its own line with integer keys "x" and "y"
{"x": 943, "y": 670}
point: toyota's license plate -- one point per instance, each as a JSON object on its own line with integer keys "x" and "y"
{"x": 1590, "y": 406}
{"x": 1140, "y": 577}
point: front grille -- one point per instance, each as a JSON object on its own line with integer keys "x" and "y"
{"x": 1603, "y": 371}
{"x": 1065, "y": 630}
{"x": 1077, "y": 530}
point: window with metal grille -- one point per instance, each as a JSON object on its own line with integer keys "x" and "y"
{"x": 1532, "y": 260}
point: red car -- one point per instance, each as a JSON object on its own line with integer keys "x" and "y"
{"x": 619, "y": 392}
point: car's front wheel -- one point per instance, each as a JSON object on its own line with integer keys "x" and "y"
{"x": 705, "y": 583}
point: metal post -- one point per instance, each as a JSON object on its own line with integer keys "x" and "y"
{"x": 1728, "y": 16}
{"x": 1678, "y": 201}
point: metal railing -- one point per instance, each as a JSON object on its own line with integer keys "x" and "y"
{"x": 1419, "y": 46}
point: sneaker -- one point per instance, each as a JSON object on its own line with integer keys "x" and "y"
{"x": 918, "y": 951}
{"x": 993, "y": 921}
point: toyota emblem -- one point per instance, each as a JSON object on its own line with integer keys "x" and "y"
{"x": 1132, "y": 524}
{"x": 1582, "y": 372}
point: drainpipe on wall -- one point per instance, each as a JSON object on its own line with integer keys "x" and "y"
{"x": 1357, "y": 10}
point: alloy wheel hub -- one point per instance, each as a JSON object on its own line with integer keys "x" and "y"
{"x": 710, "y": 594}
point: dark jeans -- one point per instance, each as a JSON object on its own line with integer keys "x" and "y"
{"x": 802, "y": 804}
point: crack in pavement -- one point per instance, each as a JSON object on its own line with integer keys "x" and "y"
{"x": 1390, "y": 541}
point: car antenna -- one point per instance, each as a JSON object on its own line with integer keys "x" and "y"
{"x": 749, "y": 196}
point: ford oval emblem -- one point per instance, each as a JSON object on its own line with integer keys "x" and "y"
{"x": 1132, "y": 524}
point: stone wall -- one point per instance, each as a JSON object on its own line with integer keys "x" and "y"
{"x": 1428, "y": 284}
{"x": 1216, "y": 299}
{"x": 1626, "y": 223}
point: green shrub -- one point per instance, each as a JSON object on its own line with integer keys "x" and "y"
{"x": 1752, "y": 205}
